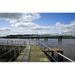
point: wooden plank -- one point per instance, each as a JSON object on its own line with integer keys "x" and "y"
{"x": 24, "y": 56}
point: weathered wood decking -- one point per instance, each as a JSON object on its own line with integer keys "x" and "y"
{"x": 33, "y": 54}
{"x": 37, "y": 55}
{"x": 24, "y": 55}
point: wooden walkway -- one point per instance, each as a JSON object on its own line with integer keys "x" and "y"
{"x": 32, "y": 54}
{"x": 24, "y": 56}
{"x": 37, "y": 55}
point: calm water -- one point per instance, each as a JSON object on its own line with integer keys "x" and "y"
{"x": 68, "y": 45}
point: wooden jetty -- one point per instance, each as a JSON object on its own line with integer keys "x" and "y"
{"x": 24, "y": 55}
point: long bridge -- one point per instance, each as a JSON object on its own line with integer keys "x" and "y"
{"x": 38, "y": 36}
{"x": 45, "y": 37}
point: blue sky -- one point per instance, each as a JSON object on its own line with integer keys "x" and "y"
{"x": 40, "y": 23}
{"x": 3, "y": 23}
{"x": 52, "y": 18}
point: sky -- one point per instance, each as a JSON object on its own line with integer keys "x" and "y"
{"x": 37, "y": 23}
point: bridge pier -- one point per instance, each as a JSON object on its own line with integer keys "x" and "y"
{"x": 60, "y": 41}
{"x": 46, "y": 39}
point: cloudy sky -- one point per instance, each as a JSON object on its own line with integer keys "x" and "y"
{"x": 37, "y": 23}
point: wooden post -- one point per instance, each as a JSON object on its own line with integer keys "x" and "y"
{"x": 60, "y": 58}
{"x": 52, "y": 54}
{"x": 7, "y": 42}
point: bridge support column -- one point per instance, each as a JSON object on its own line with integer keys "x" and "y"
{"x": 46, "y": 39}
{"x": 60, "y": 40}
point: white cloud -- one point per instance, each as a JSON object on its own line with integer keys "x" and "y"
{"x": 4, "y": 29}
{"x": 65, "y": 28}
{"x": 24, "y": 24}
{"x": 25, "y": 20}
{"x": 41, "y": 27}
{"x": 29, "y": 17}
{"x": 11, "y": 21}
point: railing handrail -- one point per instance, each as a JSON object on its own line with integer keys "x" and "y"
{"x": 52, "y": 57}
{"x": 6, "y": 52}
{"x": 12, "y": 57}
{"x": 65, "y": 57}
